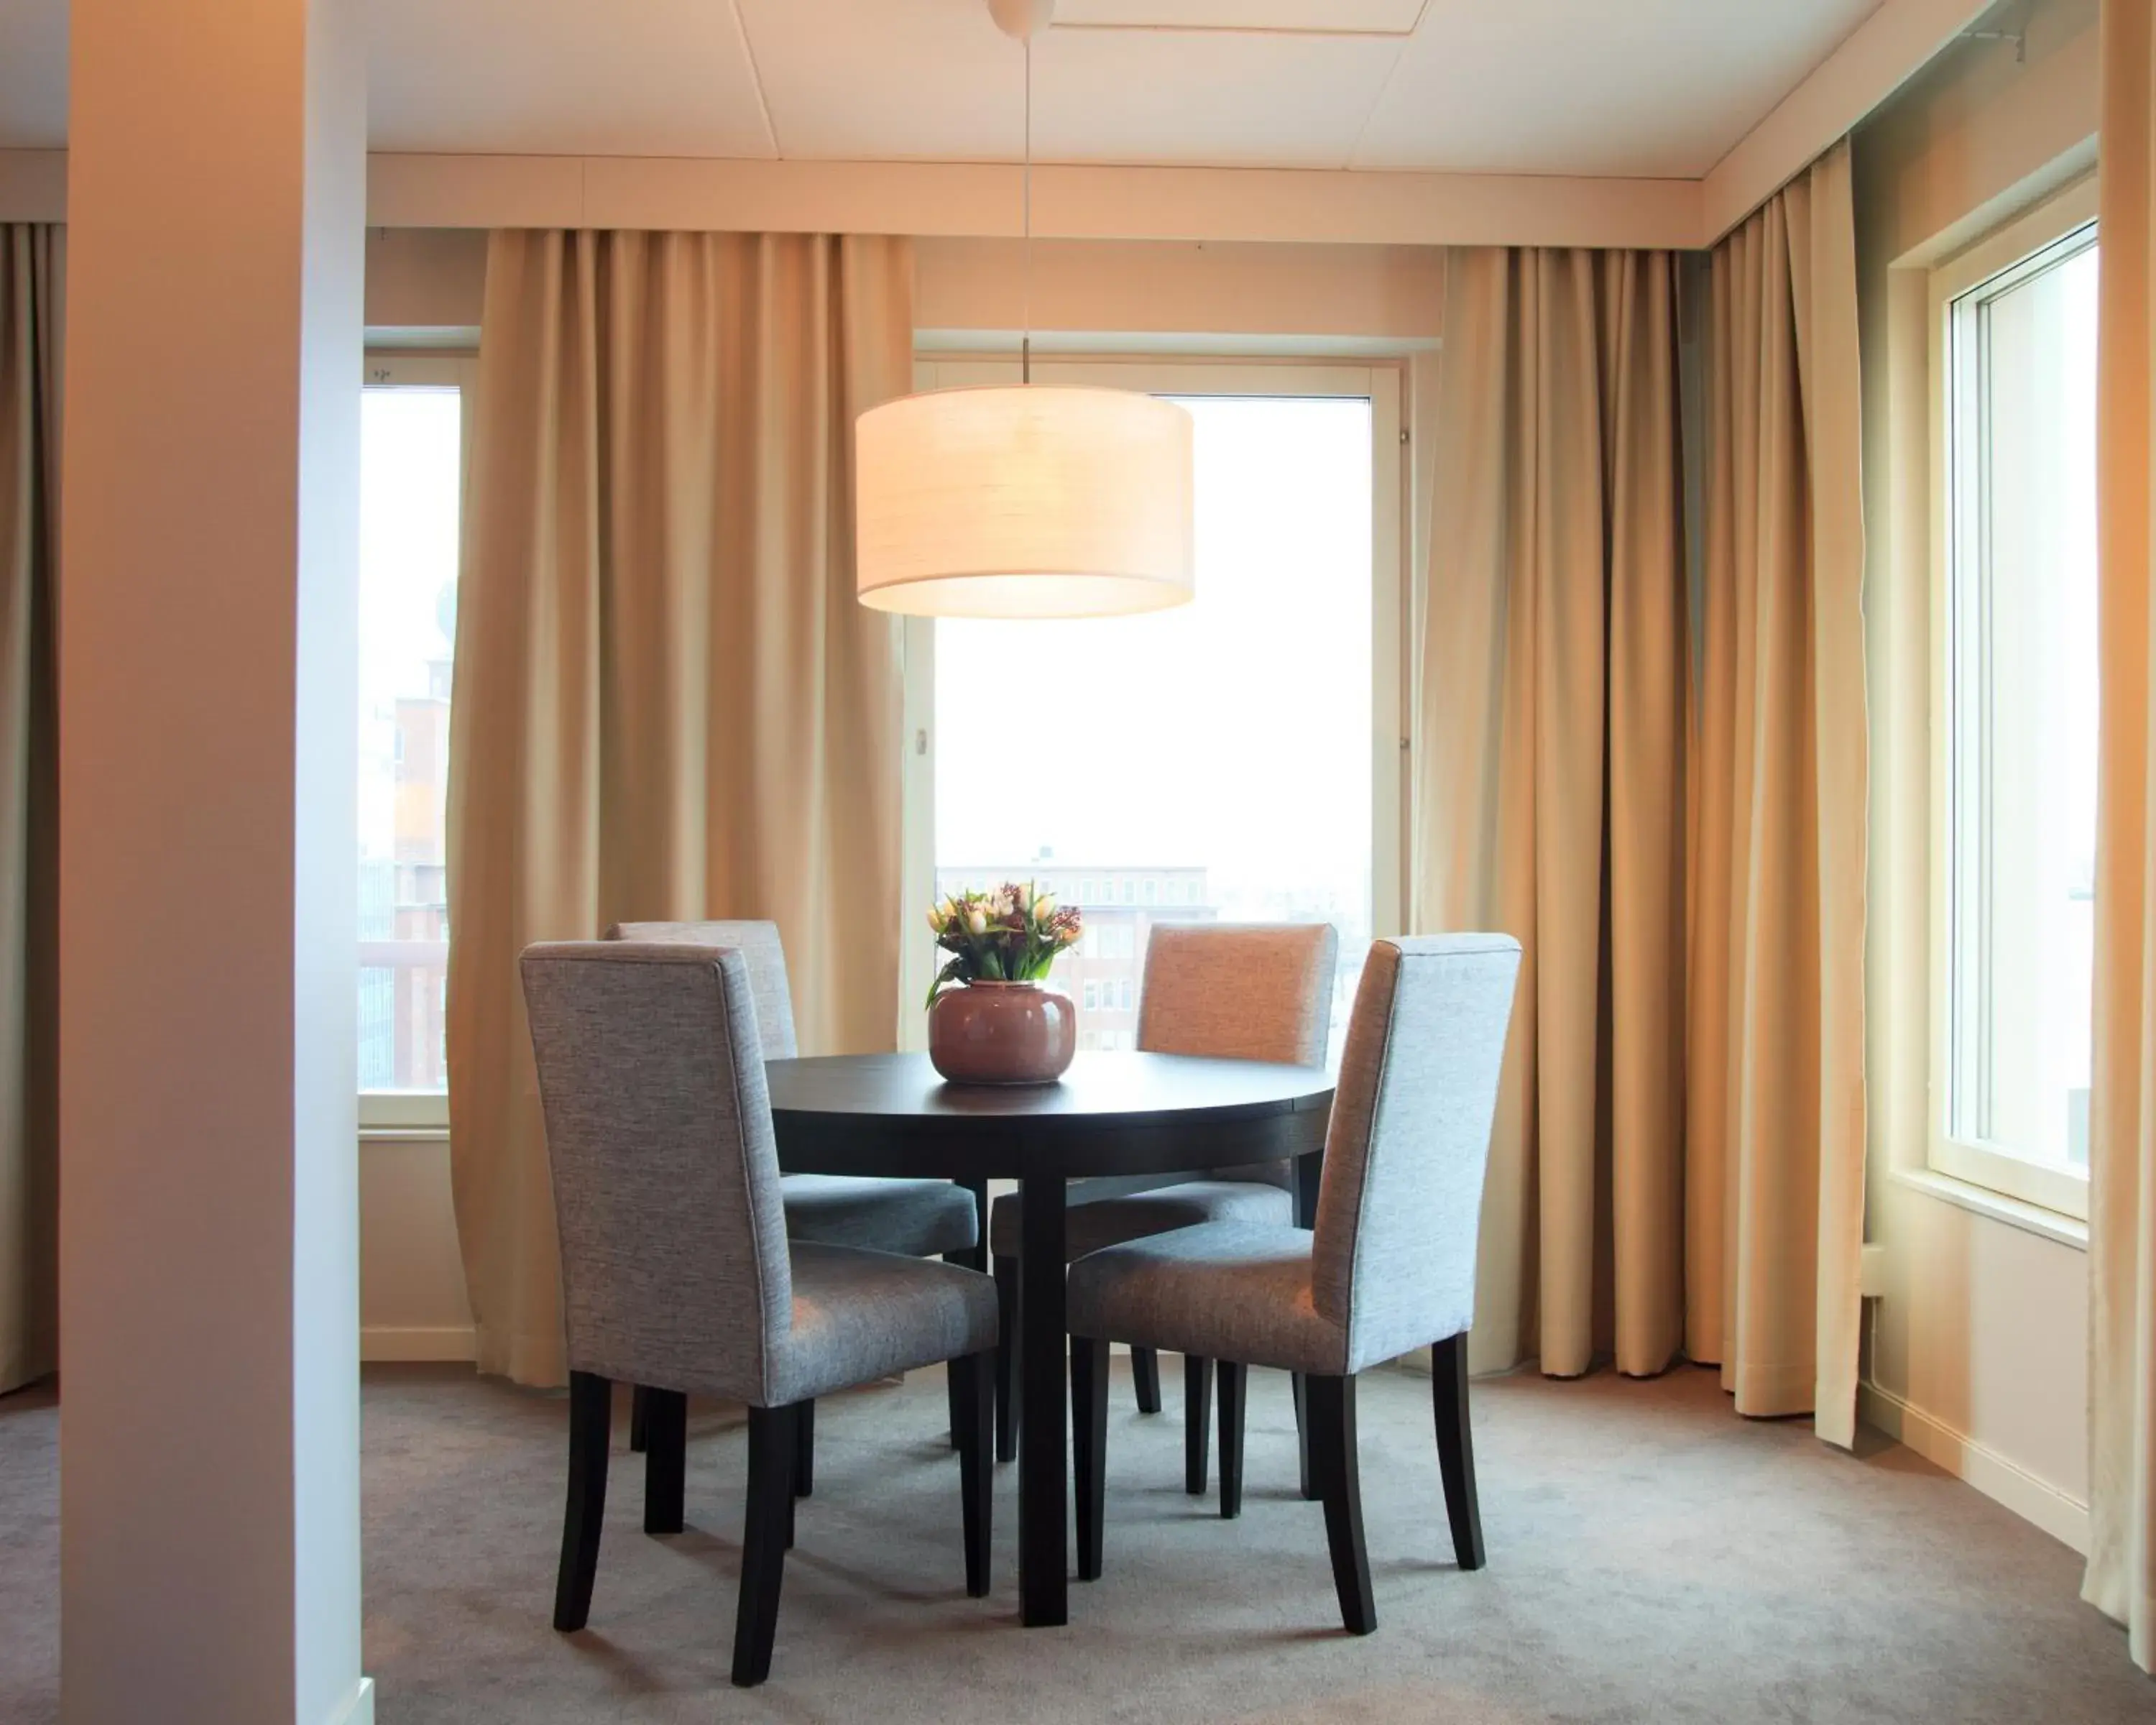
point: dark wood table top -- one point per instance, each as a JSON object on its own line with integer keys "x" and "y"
{"x": 1110, "y": 1113}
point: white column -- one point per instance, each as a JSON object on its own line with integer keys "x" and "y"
{"x": 209, "y": 1414}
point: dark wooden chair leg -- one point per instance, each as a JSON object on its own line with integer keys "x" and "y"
{"x": 638, "y": 1412}
{"x": 1089, "y": 1447}
{"x": 1303, "y": 1437}
{"x": 1007, "y": 1354}
{"x": 1455, "y": 1449}
{"x": 665, "y": 1458}
{"x": 590, "y": 1423}
{"x": 964, "y": 1260}
{"x": 1331, "y": 1407}
{"x": 771, "y": 1451}
{"x": 1234, "y": 1380}
{"x": 973, "y": 1395}
{"x": 1197, "y": 1421}
{"x": 1145, "y": 1376}
{"x": 804, "y": 1450}
{"x": 977, "y": 1258}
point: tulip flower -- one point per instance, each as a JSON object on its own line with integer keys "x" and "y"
{"x": 1013, "y": 932}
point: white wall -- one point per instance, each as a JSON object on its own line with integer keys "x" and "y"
{"x": 1977, "y": 1354}
{"x": 1385, "y": 296}
{"x": 210, "y": 1535}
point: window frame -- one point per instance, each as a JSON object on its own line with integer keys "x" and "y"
{"x": 407, "y": 1113}
{"x": 2037, "y": 240}
{"x": 1382, "y": 383}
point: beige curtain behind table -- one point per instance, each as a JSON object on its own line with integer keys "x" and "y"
{"x": 1666, "y": 810}
{"x": 32, "y": 266}
{"x": 669, "y": 704}
{"x": 2122, "y": 1569}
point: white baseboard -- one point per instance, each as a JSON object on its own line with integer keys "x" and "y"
{"x": 358, "y": 1708}
{"x": 453, "y": 1342}
{"x": 2066, "y": 1519}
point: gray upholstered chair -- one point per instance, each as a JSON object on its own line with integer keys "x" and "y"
{"x": 916, "y": 1218}
{"x": 1390, "y": 1267}
{"x": 676, "y": 1271}
{"x": 1233, "y": 991}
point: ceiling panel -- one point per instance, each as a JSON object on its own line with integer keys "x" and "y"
{"x": 1206, "y": 100}
{"x": 934, "y": 80}
{"x": 34, "y": 73}
{"x": 1336, "y": 17}
{"x": 1622, "y": 87}
{"x": 1661, "y": 88}
{"x": 562, "y": 77}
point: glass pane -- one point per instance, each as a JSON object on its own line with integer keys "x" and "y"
{"x": 410, "y": 478}
{"x": 1212, "y": 763}
{"x": 2026, "y": 719}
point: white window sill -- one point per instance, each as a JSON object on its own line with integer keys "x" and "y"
{"x": 403, "y": 1135}
{"x": 1982, "y": 1201}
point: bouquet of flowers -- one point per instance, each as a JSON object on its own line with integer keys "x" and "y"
{"x": 1010, "y": 935}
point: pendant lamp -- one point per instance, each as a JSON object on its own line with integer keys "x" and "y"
{"x": 1033, "y": 501}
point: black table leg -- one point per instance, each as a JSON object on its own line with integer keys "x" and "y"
{"x": 1043, "y": 1479}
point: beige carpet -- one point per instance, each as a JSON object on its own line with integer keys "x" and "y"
{"x": 1652, "y": 1559}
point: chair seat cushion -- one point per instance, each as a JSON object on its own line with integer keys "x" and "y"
{"x": 1237, "y": 1290}
{"x": 1111, "y": 1221}
{"x": 860, "y": 1315}
{"x": 916, "y": 1218}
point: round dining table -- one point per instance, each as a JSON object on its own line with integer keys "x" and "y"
{"x": 1145, "y": 1117}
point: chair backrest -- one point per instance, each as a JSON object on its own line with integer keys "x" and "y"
{"x": 759, "y": 943}
{"x": 1243, "y": 991}
{"x": 1401, "y": 1201}
{"x": 675, "y": 1270}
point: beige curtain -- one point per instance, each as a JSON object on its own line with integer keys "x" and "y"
{"x": 1775, "y": 1121}
{"x": 31, "y": 272}
{"x": 1666, "y": 811}
{"x": 668, "y": 703}
{"x": 2121, "y": 1569}
{"x": 1552, "y": 677}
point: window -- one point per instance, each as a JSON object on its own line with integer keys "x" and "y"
{"x": 2015, "y": 711}
{"x": 1198, "y": 785}
{"x": 1092, "y": 995}
{"x": 411, "y": 485}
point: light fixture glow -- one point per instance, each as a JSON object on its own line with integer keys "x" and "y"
{"x": 1031, "y": 501}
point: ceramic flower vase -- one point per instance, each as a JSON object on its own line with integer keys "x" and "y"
{"x": 1002, "y": 1033}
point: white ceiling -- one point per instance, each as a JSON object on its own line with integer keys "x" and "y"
{"x": 1656, "y": 88}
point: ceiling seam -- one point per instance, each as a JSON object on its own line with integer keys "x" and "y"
{"x": 1303, "y": 31}
{"x": 1377, "y": 101}
{"x": 756, "y": 80}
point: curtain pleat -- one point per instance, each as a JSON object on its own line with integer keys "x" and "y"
{"x": 1776, "y": 1122}
{"x": 2121, "y": 1568}
{"x": 1551, "y": 670}
{"x": 669, "y": 704}
{"x": 32, "y": 267}
{"x": 1666, "y": 808}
